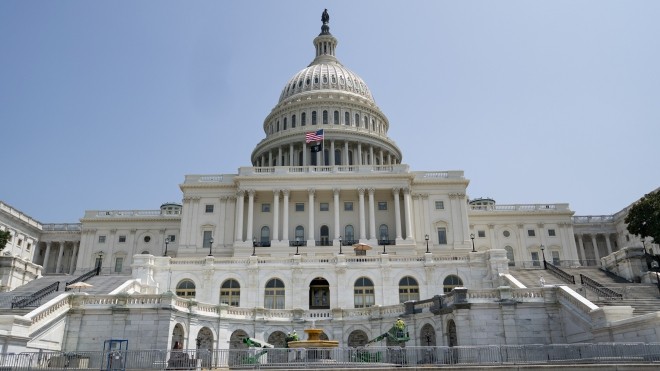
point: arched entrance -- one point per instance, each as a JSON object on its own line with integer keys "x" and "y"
{"x": 427, "y": 336}
{"x": 178, "y": 334}
{"x": 278, "y": 340}
{"x": 319, "y": 294}
{"x": 236, "y": 342}
{"x": 204, "y": 343}
{"x": 452, "y": 338}
{"x": 357, "y": 338}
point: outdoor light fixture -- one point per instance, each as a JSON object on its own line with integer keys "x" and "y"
{"x": 472, "y": 238}
{"x": 427, "y": 243}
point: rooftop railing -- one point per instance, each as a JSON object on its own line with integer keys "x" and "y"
{"x": 520, "y": 207}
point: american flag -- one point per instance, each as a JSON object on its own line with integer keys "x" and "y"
{"x": 315, "y": 136}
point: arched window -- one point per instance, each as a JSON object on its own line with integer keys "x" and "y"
{"x": 347, "y": 118}
{"x": 300, "y": 233}
{"x": 366, "y": 120}
{"x": 284, "y": 126}
{"x": 303, "y": 119}
{"x": 357, "y": 119}
{"x": 300, "y": 159}
{"x": 363, "y": 293}
{"x": 293, "y": 121}
{"x": 277, "y": 127}
{"x": 230, "y": 293}
{"x": 186, "y": 289}
{"x": 326, "y": 157}
{"x": 383, "y": 233}
{"x": 408, "y": 289}
{"x": 325, "y": 117}
{"x": 274, "y": 294}
{"x": 349, "y": 234}
{"x": 509, "y": 255}
{"x": 350, "y": 158}
{"x": 313, "y": 117}
{"x": 337, "y": 157}
{"x": 450, "y": 283}
{"x": 336, "y": 118}
{"x": 265, "y": 234}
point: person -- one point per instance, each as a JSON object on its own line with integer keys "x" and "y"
{"x": 295, "y": 336}
{"x": 325, "y": 17}
{"x": 178, "y": 358}
{"x": 399, "y": 324}
{"x": 542, "y": 281}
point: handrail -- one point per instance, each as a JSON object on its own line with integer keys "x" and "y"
{"x": 598, "y": 288}
{"x": 23, "y": 301}
{"x": 568, "y": 278}
{"x": 83, "y": 277}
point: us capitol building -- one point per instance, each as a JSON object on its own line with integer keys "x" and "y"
{"x": 327, "y": 227}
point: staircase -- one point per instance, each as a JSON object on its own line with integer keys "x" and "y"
{"x": 644, "y": 298}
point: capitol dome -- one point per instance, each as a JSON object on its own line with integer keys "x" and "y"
{"x": 332, "y": 101}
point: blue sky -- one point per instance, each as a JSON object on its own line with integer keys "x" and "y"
{"x": 108, "y": 104}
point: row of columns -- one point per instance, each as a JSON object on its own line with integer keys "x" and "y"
{"x": 360, "y": 157}
{"x": 594, "y": 242}
{"x": 59, "y": 268}
{"x": 396, "y": 192}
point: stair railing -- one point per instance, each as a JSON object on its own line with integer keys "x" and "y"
{"x": 598, "y": 288}
{"x": 25, "y": 301}
{"x": 566, "y": 277}
{"x": 83, "y": 277}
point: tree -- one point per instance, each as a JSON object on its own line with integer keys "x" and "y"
{"x": 4, "y": 238}
{"x": 643, "y": 218}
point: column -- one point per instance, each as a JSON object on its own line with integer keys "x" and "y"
{"x": 74, "y": 257}
{"x": 359, "y": 154}
{"x": 270, "y": 158}
{"x": 345, "y": 156}
{"x": 372, "y": 215}
{"x": 581, "y": 245}
{"x": 608, "y": 243}
{"x": 46, "y": 256}
{"x": 285, "y": 215}
{"x": 59, "y": 257}
{"x": 332, "y": 153}
{"x": 408, "y": 212}
{"x": 279, "y": 161}
{"x": 304, "y": 155}
{"x": 276, "y": 215}
{"x": 240, "y": 204}
{"x": 362, "y": 223}
{"x": 250, "y": 217}
{"x": 381, "y": 157}
{"x": 596, "y": 253}
{"x": 397, "y": 213}
{"x": 311, "y": 227}
{"x": 335, "y": 194}
{"x": 291, "y": 158}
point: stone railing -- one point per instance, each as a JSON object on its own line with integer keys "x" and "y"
{"x": 576, "y": 300}
{"x": 305, "y": 170}
{"x": 128, "y": 214}
{"x": 49, "y": 311}
{"x": 593, "y": 219}
{"x": 520, "y": 207}
{"x": 19, "y": 215}
{"x": 62, "y": 227}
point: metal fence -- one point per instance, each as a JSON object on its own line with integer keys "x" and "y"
{"x": 278, "y": 358}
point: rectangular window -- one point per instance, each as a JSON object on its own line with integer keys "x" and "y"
{"x": 300, "y": 206}
{"x": 265, "y": 208}
{"x": 481, "y": 234}
{"x": 20, "y": 242}
{"x": 122, "y": 239}
{"x": 439, "y": 205}
{"x": 442, "y": 236}
{"x": 535, "y": 259}
{"x": 324, "y": 206}
{"x": 313, "y": 117}
{"x": 207, "y": 239}
{"x": 531, "y": 233}
{"x": 172, "y": 237}
{"x": 382, "y": 205}
{"x": 101, "y": 239}
{"x": 551, "y": 233}
{"x": 209, "y": 208}
{"x": 555, "y": 258}
{"x": 119, "y": 262}
{"x": 348, "y": 206}
{"x": 29, "y": 246}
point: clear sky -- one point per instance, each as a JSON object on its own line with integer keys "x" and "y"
{"x": 108, "y": 104}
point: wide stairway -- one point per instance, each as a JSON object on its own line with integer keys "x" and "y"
{"x": 100, "y": 285}
{"x": 643, "y": 297}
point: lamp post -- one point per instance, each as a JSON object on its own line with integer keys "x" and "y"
{"x": 297, "y": 245}
{"x": 254, "y": 246}
{"x": 545, "y": 266}
{"x": 472, "y": 238}
{"x": 384, "y": 242}
{"x": 340, "y": 253}
{"x": 167, "y": 241}
{"x": 211, "y": 246}
{"x": 98, "y": 268}
{"x": 427, "y": 243}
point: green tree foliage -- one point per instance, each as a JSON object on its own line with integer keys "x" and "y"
{"x": 644, "y": 217}
{"x": 4, "y": 238}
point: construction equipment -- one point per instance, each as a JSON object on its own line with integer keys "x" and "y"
{"x": 398, "y": 333}
{"x": 255, "y": 343}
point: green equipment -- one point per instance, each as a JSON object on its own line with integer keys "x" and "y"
{"x": 398, "y": 333}
{"x": 255, "y": 343}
